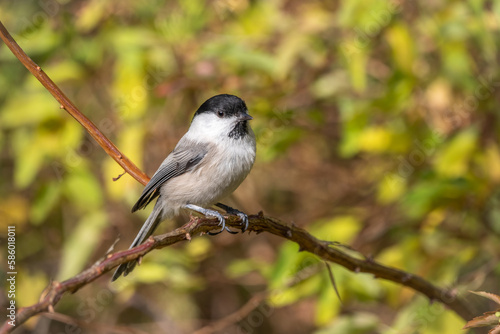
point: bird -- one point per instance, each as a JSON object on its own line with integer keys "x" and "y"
{"x": 208, "y": 163}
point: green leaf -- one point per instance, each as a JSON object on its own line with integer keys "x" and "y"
{"x": 285, "y": 265}
{"x": 80, "y": 244}
{"x": 429, "y": 194}
{"x": 357, "y": 322}
{"x": 29, "y": 158}
{"x": 81, "y": 186}
{"x": 45, "y": 200}
{"x": 38, "y": 107}
{"x": 64, "y": 71}
{"x": 296, "y": 292}
{"x": 239, "y": 268}
{"x": 328, "y": 304}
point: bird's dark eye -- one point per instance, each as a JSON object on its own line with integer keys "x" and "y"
{"x": 220, "y": 113}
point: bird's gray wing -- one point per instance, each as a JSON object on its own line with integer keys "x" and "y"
{"x": 184, "y": 158}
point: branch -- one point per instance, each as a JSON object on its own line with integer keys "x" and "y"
{"x": 67, "y": 105}
{"x": 219, "y": 325}
{"x": 258, "y": 224}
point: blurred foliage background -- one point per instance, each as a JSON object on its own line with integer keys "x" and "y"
{"x": 377, "y": 126}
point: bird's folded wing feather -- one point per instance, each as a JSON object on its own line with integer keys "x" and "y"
{"x": 180, "y": 161}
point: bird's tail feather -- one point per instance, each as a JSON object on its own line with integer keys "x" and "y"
{"x": 147, "y": 229}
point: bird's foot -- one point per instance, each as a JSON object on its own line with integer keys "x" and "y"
{"x": 210, "y": 213}
{"x": 241, "y": 215}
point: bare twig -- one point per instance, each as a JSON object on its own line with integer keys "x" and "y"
{"x": 67, "y": 105}
{"x": 236, "y": 316}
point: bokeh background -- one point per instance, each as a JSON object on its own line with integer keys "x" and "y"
{"x": 377, "y": 127}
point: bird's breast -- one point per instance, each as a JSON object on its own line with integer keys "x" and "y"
{"x": 216, "y": 177}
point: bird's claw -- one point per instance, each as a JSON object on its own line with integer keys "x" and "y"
{"x": 241, "y": 215}
{"x": 222, "y": 222}
{"x": 244, "y": 220}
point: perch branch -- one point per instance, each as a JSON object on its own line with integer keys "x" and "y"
{"x": 67, "y": 105}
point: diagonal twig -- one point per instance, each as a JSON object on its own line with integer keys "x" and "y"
{"x": 67, "y": 105}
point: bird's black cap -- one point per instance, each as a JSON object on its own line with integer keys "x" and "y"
{"x": 227, "y": 105}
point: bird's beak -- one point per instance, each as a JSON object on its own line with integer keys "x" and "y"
{"x": 244, "y": 117}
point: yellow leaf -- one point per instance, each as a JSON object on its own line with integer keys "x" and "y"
{"x": 81, "y": 243}
{"x": 402, "y": 45}
{"x": 356, "y": 64}
{"x": 130, "y": 139}
{"x": 390, "y": 188}
{"x": 90, "y": 14}
{"x": 29, "y": 287}
{"x": 492, "y": 163}
{"x": 375, "y": 139}
{"x": 14, "y": 210}
{"x": 341, "y": 228}
{"x": 434, "y": 218}
{"x": 453, "y": 159}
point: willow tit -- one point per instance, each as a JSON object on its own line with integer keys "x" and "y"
{"x": 209, "y": 163}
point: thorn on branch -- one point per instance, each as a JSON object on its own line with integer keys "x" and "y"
{"x": 119, "y": 176}
{"x": 332, "y": 280}
{"x": 112, "y": 247}
{"x": 188, "y": 236}
{"x": 46, "y": 291}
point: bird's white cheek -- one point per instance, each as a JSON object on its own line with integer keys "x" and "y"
{"x": 208, "y": 128}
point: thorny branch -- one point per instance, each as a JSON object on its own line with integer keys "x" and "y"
{"x": 258, "y": 224}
